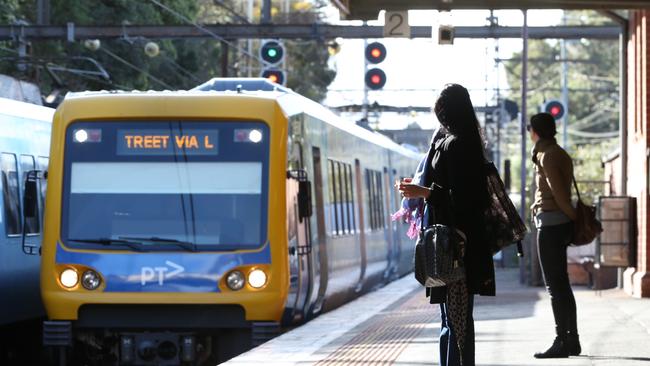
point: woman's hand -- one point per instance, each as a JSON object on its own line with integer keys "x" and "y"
{"x": 409, "y": 190}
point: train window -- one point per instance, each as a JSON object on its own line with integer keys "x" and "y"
{"x": 10, "y": 194}
{"x": 375, "y": 199}
{"x": 341, "y": 198}
{"x": 332, "y": 179}
{"x": 349, "y": 198}
{"x": 43, "y": 164}
{"x": 27, "y": 164}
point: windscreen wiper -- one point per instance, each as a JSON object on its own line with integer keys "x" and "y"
{"x": 154, "y": 239}
{"x": 107, "y": 241}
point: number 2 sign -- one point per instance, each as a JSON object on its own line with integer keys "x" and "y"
{"x": 396, "y": 24}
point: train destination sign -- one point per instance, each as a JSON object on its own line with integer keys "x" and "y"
{"x": 166, "y": 142}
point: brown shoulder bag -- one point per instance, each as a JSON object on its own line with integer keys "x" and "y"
{"x": 586, "y": 226}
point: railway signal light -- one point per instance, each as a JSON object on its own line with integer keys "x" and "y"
{"x": 272, "y": 54}
{"x": 375, "y": 77}
{"x": 274, "y": 75}
{"x": 375, "y": 53}
{"x": 555, "y": 108}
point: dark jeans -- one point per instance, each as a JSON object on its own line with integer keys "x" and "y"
{"x": 449, "y": 353}
{"x": 552, "y": 242}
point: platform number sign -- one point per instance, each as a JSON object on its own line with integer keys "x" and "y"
{"x": 396, "y": 24}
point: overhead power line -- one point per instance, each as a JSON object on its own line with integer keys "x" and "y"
{"x": 206, "y": 30}
{"x": 593, "y": 135}
{"x": 139, "y": 69}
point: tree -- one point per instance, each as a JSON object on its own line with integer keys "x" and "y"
{"x": 180, "y": 64}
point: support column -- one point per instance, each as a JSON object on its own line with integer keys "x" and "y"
{"x": 637, "y": 281}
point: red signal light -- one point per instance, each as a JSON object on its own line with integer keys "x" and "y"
{"x": 274, "y": 75}
{"x": 375, "y": 79}
{"x": 375, "y": 53}
{"x": 555, "y": 108}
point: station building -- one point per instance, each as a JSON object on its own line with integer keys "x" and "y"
{"x": 637, "y": 182}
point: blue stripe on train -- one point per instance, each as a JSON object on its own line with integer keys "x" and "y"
{"x": 162, "y": 271}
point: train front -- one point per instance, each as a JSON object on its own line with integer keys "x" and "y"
{"x": 160, "y": 246}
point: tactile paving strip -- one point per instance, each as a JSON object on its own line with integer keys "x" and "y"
{"x": 389, "y": 333}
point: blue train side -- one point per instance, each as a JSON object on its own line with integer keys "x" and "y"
{"x": 24, "y": 146}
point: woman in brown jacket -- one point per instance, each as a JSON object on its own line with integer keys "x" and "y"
{"x": 554, "y": 215}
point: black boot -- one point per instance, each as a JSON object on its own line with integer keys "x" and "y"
{"x": 558, "y": 349}
{"x": 573, "y": 344}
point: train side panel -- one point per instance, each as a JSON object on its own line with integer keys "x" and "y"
{"x": 24, "y": 144}
{"x": 355, "y": 246}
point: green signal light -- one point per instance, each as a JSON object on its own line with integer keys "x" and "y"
{"x": 272, "y": 52}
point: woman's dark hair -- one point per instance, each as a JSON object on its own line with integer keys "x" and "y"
{"x": 544, "y": 125}
{"x": 455, "y": 112}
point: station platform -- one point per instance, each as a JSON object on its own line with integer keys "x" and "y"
{"x": 396, "y": 325}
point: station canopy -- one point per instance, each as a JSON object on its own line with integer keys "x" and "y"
{"x": 369, "y": 9}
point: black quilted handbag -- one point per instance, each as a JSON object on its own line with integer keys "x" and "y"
{"x": 439, "y": 255}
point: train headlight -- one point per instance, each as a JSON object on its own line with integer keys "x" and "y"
{"x": 69, "y": 278}
{"x": 255, "y": 136}
{"x": 235, "y": 280}
{"x": 81, "y": 136}
{"x": 87, "y": 135}
{"x": 257, "y": 278}
{"x": 90, "y": 280}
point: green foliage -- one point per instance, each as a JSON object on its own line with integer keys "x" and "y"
{"x": 11, "y": 11}
{"x": 181, "y": 63}
{"x": 307, "y": 61}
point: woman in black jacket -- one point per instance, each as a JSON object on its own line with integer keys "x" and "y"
{"x": 455, "y": 192}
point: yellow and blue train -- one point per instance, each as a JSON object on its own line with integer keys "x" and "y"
{"x": 184, "y": 227}
{"x": 24, "y": 149}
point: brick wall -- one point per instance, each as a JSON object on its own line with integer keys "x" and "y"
{"x": 637, "y": 280}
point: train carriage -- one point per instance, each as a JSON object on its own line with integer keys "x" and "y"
{"x": 24, "y": 148}
{"x": 185, "y": 227}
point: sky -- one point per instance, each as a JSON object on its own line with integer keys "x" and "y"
{"x": 417, "y": 69}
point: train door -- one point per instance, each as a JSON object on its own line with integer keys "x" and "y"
{"x": 320, "y": 225}
{"x": 392, "y": 259}
{"x": 298, "y": 213}
{"x": 362, "y": 224}
{"x": 395, "y": 225}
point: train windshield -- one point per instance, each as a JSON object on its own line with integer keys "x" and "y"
{"x": 165, "y": 185}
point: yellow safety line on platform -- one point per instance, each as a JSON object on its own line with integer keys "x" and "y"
{"x": 388, "y": 334}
